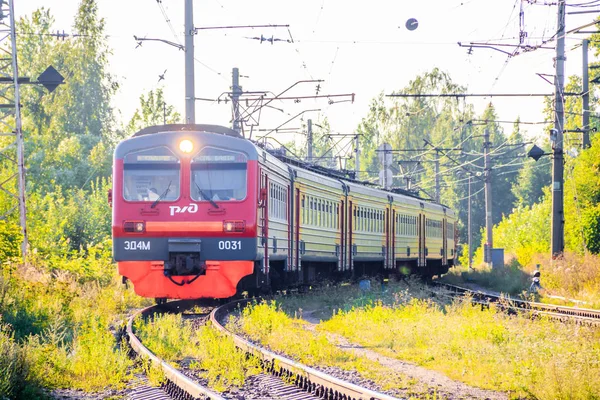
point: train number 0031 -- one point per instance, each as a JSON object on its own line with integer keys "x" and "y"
{"x": 136, "y": 245}
{"x": 230, "y": 244}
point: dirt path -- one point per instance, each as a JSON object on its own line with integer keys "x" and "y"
{"x": 426, "y": 379}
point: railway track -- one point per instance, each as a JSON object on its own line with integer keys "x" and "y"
{"x": 578, "y": 315}
{"x": 308, "y": 383}
{"x": 177, "y": 385}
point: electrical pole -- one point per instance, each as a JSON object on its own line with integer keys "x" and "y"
{"x": 10, "y": 118}
{"x": 557, "y": 149}
{"x": 585, "y": 120}
{"x": 469, "y": 227}
{"x": 309, "y": 139}
{"x": 488, "y": 198}
{"x": 356, "y": 159}
{"x": 190, "y": 97}
{"x": 236, "y": 91}
{"x": 18, "y": 133}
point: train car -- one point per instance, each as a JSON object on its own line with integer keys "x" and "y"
{"x": 200, "y": 212}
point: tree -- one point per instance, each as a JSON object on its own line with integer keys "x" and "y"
{"x": 153, "y": 111}
{"x": 69, "y": 132}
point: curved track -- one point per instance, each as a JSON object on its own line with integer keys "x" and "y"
{"x": 307, "y": 378}
{"x": 579, "y": 315}
{"x": 178, "y": 385}
{"x": 312, "y": 382}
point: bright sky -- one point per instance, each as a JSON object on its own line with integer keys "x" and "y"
{"x": 360, "y": 47}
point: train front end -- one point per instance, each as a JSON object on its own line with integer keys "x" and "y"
{"x": 184, "y": 211}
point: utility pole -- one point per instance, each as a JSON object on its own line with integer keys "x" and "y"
{"x": 309, "y": 139}
{"x": 236, "y": 91}
{"x": 437, "y": 176}
{"x": 469, "y": 227}
{"x": 18, "y": 133}
{"x": 190, "y": 97}
{"x": 356, "y": 159}
{"x": 585, "y": 120}
{"x": 10, "y": 118}
{"x": 557, "y": 149}
{"x": 488, "y": 198}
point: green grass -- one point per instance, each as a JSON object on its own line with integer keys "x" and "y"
{"x": 268, "y": 324}
{"x": 204, "y": 350}
{"x": 60, "y": 331}
{"x": 485, "y": 348}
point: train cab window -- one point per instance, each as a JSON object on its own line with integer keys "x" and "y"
{"x": 151, "y": 174}
{"x": 219, "y": 175}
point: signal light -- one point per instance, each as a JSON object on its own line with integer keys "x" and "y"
{"x": 186, "y": 146}
{"x": 134, "y": 226}
{"x": 234, "y": 226}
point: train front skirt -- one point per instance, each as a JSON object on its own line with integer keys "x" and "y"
{"x": 219, "y": 281}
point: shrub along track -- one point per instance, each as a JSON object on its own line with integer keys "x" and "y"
{"x": 310, "y": 383}
{"x": 511, "y": 305}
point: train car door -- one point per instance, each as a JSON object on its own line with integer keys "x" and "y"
{"x": 422, "y": 245}
{"x": 388, "y": 239}
{"x": 264, "y": 218}
{"x": 289, "y": 195}
{"x": 392, "y": 235}
{"x": 341, "y": 231}
{"x": 349, "y": 245}
{"x": 444, "y": 242}
{"x": 296, "y": 233}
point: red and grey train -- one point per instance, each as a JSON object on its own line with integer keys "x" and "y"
{"x": 201, "y": 212}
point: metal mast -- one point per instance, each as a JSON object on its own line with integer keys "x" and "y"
{"x": 190, "y": 96}
{"x": 558, "y": 221}
{"x": 585, "y": 119}
{"x": 10, "y": 118}
{"x": 489, "y": 225}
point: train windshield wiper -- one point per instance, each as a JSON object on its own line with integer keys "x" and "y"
{"x": 203, "y": 194}
{"x": 162, "y": 195}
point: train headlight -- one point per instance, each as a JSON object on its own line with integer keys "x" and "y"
{"x": 186, "y": 146}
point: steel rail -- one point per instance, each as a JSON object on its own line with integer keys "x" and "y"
{"x": 189, "y": 386}
{"x": 309, "y": 379}
{"x": 557, "y": 312}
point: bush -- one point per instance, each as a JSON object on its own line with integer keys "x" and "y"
{"x": 591, "y": 229}
{"x": 61, "y": 328}
{"x": 13, "y": 368}
{"x": 10, "y": 240}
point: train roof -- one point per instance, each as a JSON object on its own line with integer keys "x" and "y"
{"x": 188, "y": 128}
{"x": 165, "y": 135}
{"x": 141, "y": 139}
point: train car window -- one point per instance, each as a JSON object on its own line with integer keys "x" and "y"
{"x": 336, "y": 222}
{"x": 303, "y": 210}
{"x": 219, "y": 175}
{"x": 151, "y": 174}
{"x": 360, "y": 219}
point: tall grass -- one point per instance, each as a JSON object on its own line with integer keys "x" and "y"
{"x": 539, "y": 359}
{"x": 212, "y": 355}
{"x": 60, "y": 330}
{"x": 573, "y": 276}
{"x": 268, "y": 324}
